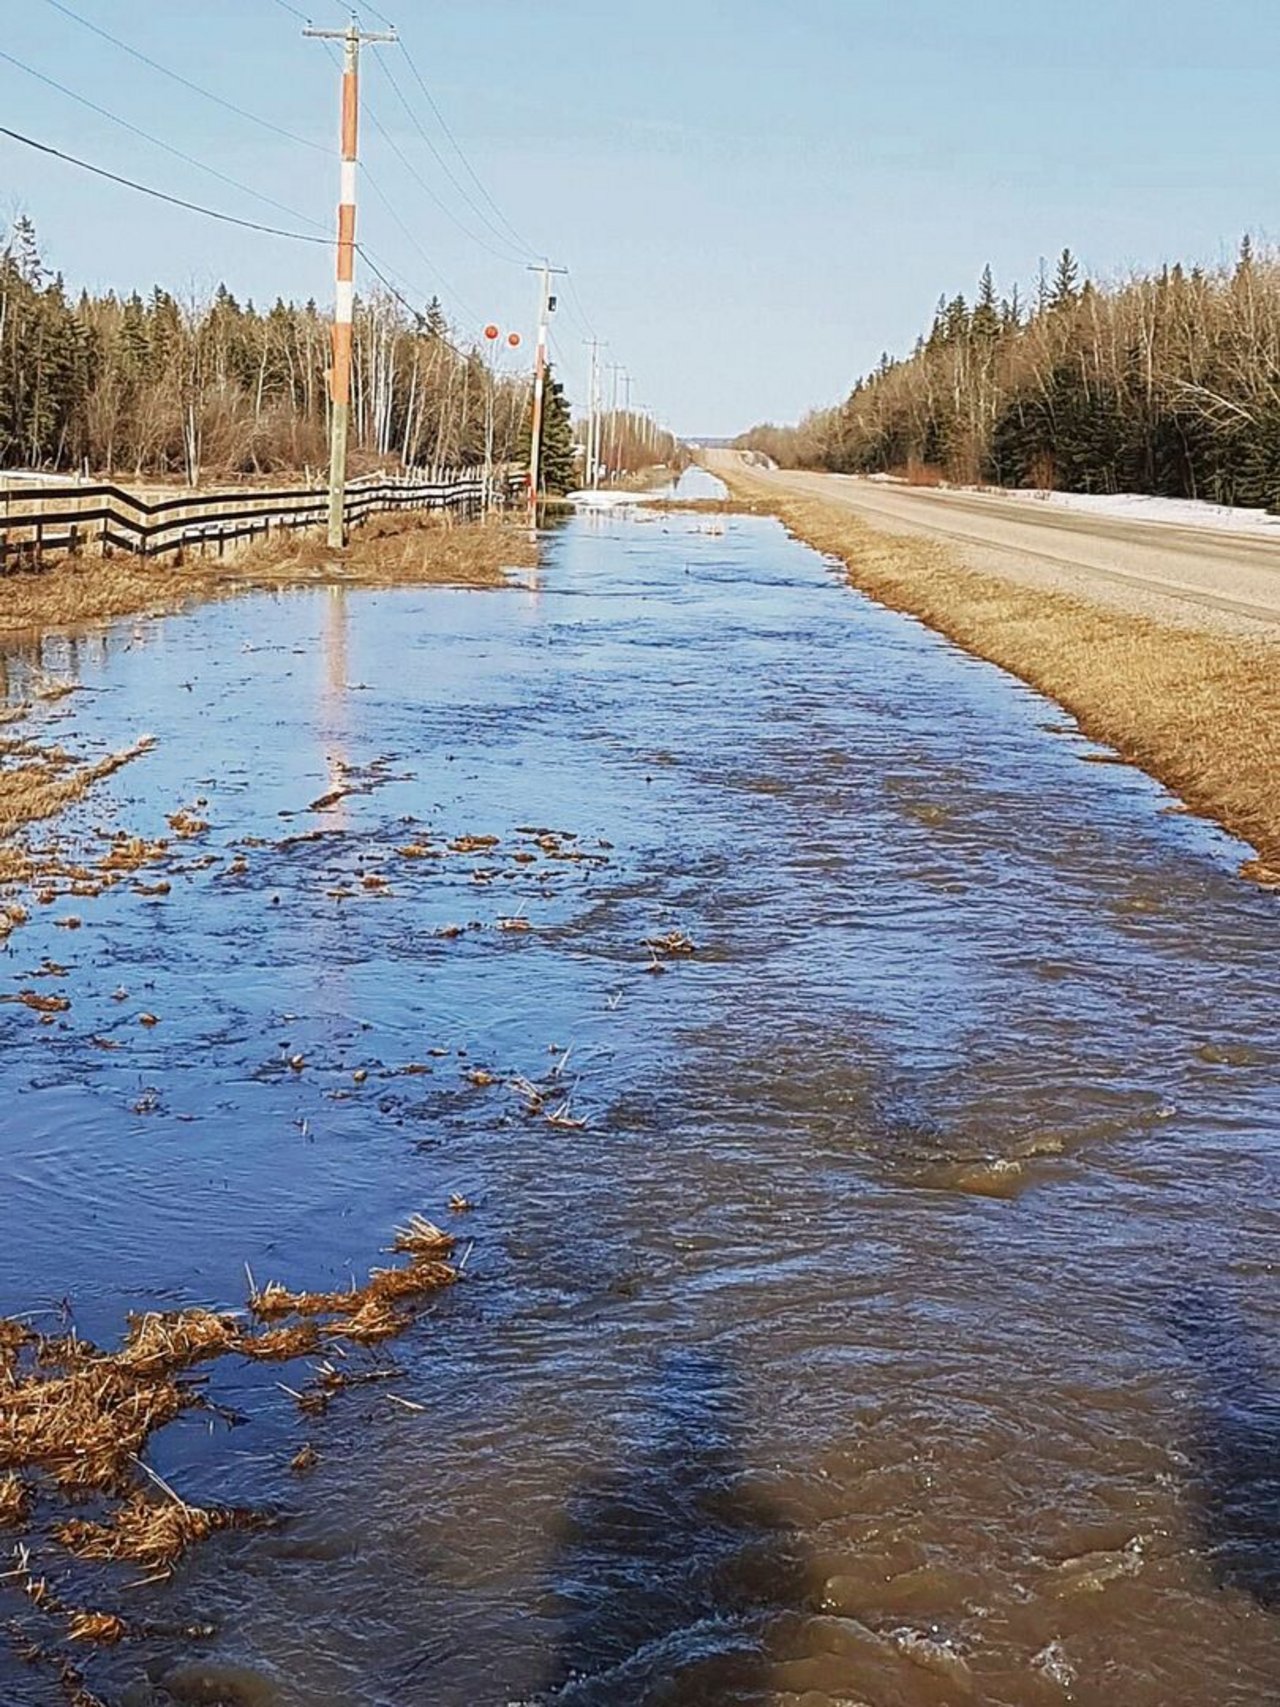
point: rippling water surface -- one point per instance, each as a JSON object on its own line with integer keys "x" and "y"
{"x": 901, "y": 1326}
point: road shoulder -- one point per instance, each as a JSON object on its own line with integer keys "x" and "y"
{"x": 1196, "y": 707}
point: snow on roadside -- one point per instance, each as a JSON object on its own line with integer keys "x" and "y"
{"x": 1176, "y": 512}
{"x": 1131, "y": 507}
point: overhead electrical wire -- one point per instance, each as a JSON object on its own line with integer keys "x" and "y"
{"x": 214, "y": 213}
{"x": 518, "y": 253}
{"x": 521, "y": 241}
{"x": 189, "y": 159}
{"x": 425, "y": 187}
{"x": 510, "y": 237}
{"x": 159, "y": 195}
{"x": 186, "y": 82}
{"x": 368, "y": 177}
{"x": 380, "y": 16}
{"x": 391, "y": 208}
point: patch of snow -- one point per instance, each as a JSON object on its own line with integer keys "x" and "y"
{"x": 603, "y": 500}
{"x": 1173, "y": 512}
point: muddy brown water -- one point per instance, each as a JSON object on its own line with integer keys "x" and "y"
{"x": 901, "y": 1326}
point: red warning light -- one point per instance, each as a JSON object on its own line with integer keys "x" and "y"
{"x": 513, "y": 338}
{"x": 491, "y": 332}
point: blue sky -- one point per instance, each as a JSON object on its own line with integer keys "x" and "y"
{"x": 756, "y": 197}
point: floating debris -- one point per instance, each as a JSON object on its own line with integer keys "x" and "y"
{"x": 104, "y": 1628}
{"x": 186, "y": 824}
{"x": 150, "y": 1532}
{"x": 16, "y": 1500}
{"x": 420, "y": 1237}
{"x": 672, "y": 944}
{"x": 39, "y": 1004}
{"x": 282, "y": 1344}
{"x": 82, "y": 1417}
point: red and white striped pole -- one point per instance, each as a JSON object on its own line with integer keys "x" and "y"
{"x": 344, "y": 298}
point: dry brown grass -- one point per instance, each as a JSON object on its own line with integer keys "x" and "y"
{"x": 73, "y": 592}
{"x": 407, "y": 550}
{"x": 148, "y": 1532}
{"x": 708, "y": 506}
{"x": 36, "y": 782}
{"x": 419, "y": 548}
{"x": 75, "y": 1421}
{"x": 15, "y": 1501}
{"x": 1199, "y": 711}
{"x": 47, "y": 779}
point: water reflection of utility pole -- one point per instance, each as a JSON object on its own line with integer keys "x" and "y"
{"x": 335, "y": 696}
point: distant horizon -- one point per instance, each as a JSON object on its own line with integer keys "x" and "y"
{"x": 754, "y": 205}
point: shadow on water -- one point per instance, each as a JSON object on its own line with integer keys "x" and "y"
{"x": 1236, "y": 1446}
{"x": 669, "y": 1573}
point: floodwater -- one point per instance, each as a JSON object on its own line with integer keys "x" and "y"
{"x": 900, "y": 1328}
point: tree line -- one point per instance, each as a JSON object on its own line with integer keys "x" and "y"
{"x": 1165, "y": 383}
{"x": 151, "y": 385}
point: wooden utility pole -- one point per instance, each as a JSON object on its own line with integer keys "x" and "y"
{"x": 611, "y": 454}
{"x": 593, "y": 416}
{"x": 546, "y": 308}
{"x": 352, "y": 39}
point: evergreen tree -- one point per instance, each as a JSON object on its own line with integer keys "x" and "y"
{"x": 1065, "y": 281}
{"x": 559, "y": 471}
{"x": 437, "y": 325}
{"x": 985, "y": 324}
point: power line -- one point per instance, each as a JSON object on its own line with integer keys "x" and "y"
{"x": 159, "y": 195}
{"x": 584, "y": 318}
{"x": 462, "y": 191}
{"x": 378, "y": 273}
{"x": 177, "y": 77}
{"x": 521, "y": 241}
{"x": 425, "y": 187}
{"x": 168, "y": 148}
{"x": 391, "y": 208}
{"x": 380, "y": 16}
{"x": 389, "y": 203}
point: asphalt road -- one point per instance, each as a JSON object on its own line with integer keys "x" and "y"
{"x": 1162, "y": 570}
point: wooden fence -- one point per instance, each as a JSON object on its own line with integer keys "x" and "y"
{"x": 69, "y": 519}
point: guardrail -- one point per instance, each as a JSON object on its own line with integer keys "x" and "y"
{"x": 67, "y": 519}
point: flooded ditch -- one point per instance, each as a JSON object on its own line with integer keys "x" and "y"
{"x": 875, "y": 1305}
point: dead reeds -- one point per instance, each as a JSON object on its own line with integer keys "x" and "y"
{"x": 72, "y": 592}
{"x": 75, "y": 1421}
{"x": 149, "y": 1532}
{"x": 415, "y": 549}
{"x": 51, "y": 780}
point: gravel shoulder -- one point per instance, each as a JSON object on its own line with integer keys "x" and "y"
{"x": 1159, "y": 640}
{"x": 1191, "y": 577}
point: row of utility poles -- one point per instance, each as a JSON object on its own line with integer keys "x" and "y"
{"x": 353, "y": 39}
{"x": 605, "y": 429}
